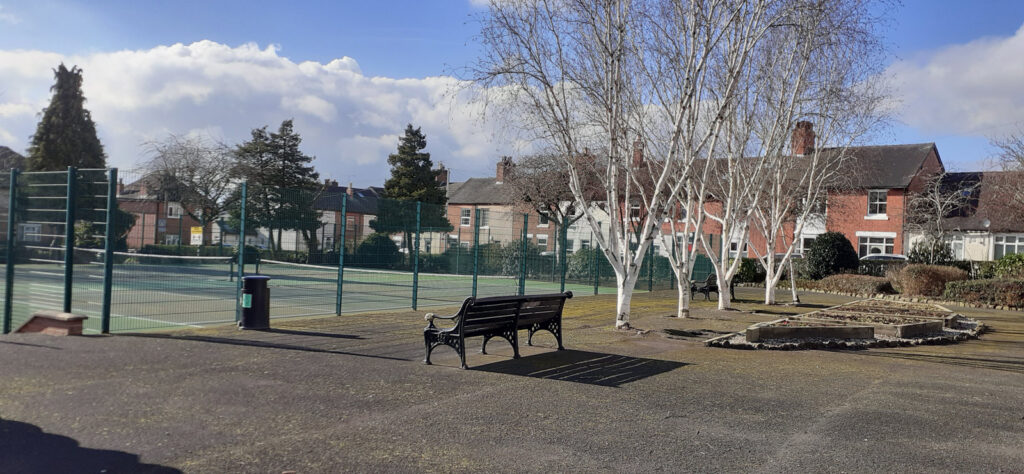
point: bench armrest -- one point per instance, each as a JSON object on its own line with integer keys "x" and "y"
{"x": 430, "y": 317}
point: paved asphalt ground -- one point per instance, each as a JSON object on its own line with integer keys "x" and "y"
{"x": 350, "y": 394}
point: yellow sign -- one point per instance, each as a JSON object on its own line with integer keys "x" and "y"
{"x": 197, "y": 235}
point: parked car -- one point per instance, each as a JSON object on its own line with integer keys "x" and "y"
{"x": 884, "y": 257}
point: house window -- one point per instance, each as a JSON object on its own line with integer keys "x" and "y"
{"x": 875, "y": 245}
{"x": 426, "y": 244}
{"x": 634, "y": 212}
{"x": 453, "y": 240}
{"x": 30, "y": 232}
{"x": 171, "y": 239}
{"x": 484, "y": 217}
{"x": 464, "y": 220}
{"x": 543, "y": 221}
{"x": 733, "y": 246}
{"x": 464, "y": 245}
{"x": 569, "y": 245}
{"x": 173, "y": 211}
{"x": 876, "y": 201}
{"x": 1008, "y": 244}
{"x": 805, "y": 244}
{"x": 584, "y": 243}
{"x": 542, "y": 241}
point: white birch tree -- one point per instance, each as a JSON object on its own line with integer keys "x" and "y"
{"x": 590, "y": 78}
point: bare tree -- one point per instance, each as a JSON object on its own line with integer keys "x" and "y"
{"x": 196, "y": 172}
{"x": 1008, "y": 186}
{"x": 819, "y": 64}
{"x": 928, "y": 208}
{"x": 590, "y": 79}
{"x": 541, "y": 183}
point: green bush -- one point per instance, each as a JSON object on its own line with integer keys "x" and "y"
{"x": 1010, "y": 266}
{"x": 994, "y": 292}
{"x": 931, "y": 251}
{"x": 831, "y": 253}
{"x": 986, "y": 270}
{"x": 848, "y": 283}
{"x": 434, "y": 263}
{"x": 750, "y": 271}
{"x": 377, "y": 250}
{"x": 924, "y": 280}
{"x": 879, "y": 268}
{"x": 581, "y": 266}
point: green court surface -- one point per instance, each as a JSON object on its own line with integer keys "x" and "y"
{"x": 158, "y": 296}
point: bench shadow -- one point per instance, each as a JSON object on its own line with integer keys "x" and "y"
{"x": 304, "y": 346}
{"x": 592, "y": 368}
{"x": 25, "y": 447}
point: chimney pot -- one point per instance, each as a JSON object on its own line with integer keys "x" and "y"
{"x": 349, "y": 190}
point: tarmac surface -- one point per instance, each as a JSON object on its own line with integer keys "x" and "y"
{"x": 350, "y": 394}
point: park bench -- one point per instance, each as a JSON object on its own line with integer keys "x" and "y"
{"x": 497, "y": 316}
{"x": 709, "y": 286}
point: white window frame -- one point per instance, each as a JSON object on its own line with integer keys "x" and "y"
{"x": 1004, "y": 241}
{"x": 485, "y": 218}
{"x": 542, "y": 240}
{"x": 465, "y": 217}
{"x": 956, "y": 244}
{"x": 174, "y": 211}
{"x": 171, "y": 239}
{"x": 634, "y": 212}
{"x": 884, "y": 215}
{"x": 872, "y": 240}
{"x": 542, "y": 221}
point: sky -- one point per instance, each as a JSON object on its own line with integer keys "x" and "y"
{"x": 352, "y": 74}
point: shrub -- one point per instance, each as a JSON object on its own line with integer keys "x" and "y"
{"x": 831, "y": 253}
{"x": 931, "y": 251}
{"x": 378, "y": 250}
{"x": 849, "y": 283}
{"x": 1010, "y": 266}
{"x": 925, "y": 280}
{"x": 750, "y": 271}
{"x": 995, "y": 292}
{"x": 986, "y": 270}
{"x": 879, "y": 268}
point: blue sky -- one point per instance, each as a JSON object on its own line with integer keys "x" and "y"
{"x": 394, "y": 61}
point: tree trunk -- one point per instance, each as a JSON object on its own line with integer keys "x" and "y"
{"x": 769, "y": 291}
{"x": 623, "y": 298}
{"x": 792, "y": 283}
{"x": 683, "y": 285}
{"x": 724, "y": 297}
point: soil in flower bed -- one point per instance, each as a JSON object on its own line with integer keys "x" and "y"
{"x": 867, "y": 318}
{"x": 791, "y": 323}
{"x": 901, "y": 310}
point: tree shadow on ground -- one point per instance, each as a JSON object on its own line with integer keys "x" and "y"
{"x": 27, "y": 448}
{"x": 1004, "y": 364}
{"x": 308, "y": 342}
{"x": 593, "y": 368}
{"x": 30, "y": 345}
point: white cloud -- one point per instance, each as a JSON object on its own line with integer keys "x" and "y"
{"x": 9, "y": 18}
{"x": 975, "y": 88}
{"x": 349, "y": 121}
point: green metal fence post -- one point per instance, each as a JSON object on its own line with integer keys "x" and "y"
{"x": 476, "y": 249}
{"x": 458, "y": 251}
{"x": 108, "y": 250}
{"x": 650, "y": 268}
{"x": 241, "y": 255}
{"x": 564, "y": 253}
{"x": 9, "y": 271}
{"x": 69, "y": 238}
{"x": 596, "y": 263}
{"x": 341, "y": 252}
{"x": 522, "y": 256}
{"x": 416, "y": 258}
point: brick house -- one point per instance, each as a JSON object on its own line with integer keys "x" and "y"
{"x": 158, "y": 219}
{"x": 501, "y": 220}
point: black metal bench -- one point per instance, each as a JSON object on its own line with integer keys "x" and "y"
{"x": 497, "y": 316}
{"x": 711, "y": 286}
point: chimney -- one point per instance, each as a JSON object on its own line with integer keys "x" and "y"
{"x": 504, "y": 169}
{"x": 803, "y": 138}
{"x": 349, "y": 191}
{"x": 120, "y": 187}
{"x": 638, "y": 153}
{"x": 442, "y": 174}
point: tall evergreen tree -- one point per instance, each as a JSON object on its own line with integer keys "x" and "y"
{"x": 66, "y": 135}
{"x": 412, "y": 179}
{"x": 282, "y": 184}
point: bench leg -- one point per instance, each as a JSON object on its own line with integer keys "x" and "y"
{"x": 552, "y": 326}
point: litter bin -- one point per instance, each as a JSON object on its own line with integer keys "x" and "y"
{"x": 255, "y": 302}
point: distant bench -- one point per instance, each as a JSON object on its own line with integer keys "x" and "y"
{"x": 497, "y": 316}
